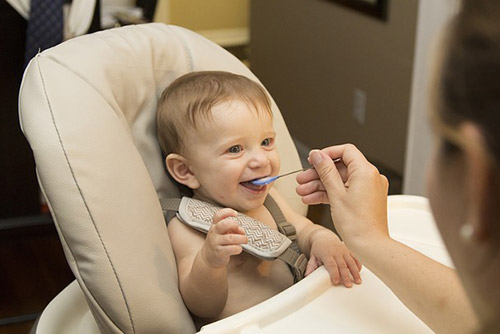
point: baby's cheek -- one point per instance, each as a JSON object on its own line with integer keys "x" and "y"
{"x": 276, "y": 160}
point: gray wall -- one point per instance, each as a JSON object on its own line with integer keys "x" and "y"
{"x": 312, "y": 54}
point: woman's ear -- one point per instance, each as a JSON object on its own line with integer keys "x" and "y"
{"x": 479, "y": 174}
{"x": 178, "y": 167}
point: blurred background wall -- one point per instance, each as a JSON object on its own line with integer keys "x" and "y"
{"x": 321, "y": 61}
{"x": 204, "y": 15}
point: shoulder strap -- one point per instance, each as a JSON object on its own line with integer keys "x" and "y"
{"x": 283, "y": 226}
{"x": 293, "y": 256}
{"x": 170, "y": 206}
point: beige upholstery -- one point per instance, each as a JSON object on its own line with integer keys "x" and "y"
{"x": 87, "y": 109}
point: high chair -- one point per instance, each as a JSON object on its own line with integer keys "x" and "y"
{"x": 87, "y": 108}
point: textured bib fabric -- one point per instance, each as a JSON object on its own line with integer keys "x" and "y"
{"x": 263, "y": 241}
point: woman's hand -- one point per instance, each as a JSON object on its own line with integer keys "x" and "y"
{"x": 354, "y": 188}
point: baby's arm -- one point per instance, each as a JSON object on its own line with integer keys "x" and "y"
{"x": 201, "y": 262}
{"x": 322, "y": 246}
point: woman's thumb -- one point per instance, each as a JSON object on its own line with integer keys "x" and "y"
{"x": 327, "y": 172}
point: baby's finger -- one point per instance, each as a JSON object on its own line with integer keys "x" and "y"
{"x": 333, "y": 270}
{"x": 227, "y": 225}
{"x": 353, "y": 268}
{"x": 223, "y": 214}
{"x": 312, "y": 265}
{"x": 229, "y": 250}
{"x": 344, "y": 273}
{"x": 233, "y": 239}
{"x": 235, "y": 227}
{"x": 357, "y": 262}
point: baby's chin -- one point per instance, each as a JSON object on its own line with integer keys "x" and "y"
{"x": 244, "y": 206}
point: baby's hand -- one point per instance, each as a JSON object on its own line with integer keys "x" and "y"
{"x": 223, "y": 239}
{"x": 328, "y": 250}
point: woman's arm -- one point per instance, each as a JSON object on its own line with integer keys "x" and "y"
{"x": 357, "y": 195}
{"x": 429, "y": 289}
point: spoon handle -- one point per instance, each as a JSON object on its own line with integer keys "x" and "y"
{"x": 303, "y": 169}
{"x": 295, "y": 171}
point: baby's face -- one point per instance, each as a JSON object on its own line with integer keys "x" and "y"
{"x": 230, "y": 150}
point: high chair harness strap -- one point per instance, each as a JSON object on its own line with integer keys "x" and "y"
{"x": 296, "y": 262}
{"x": 263, "y": 241}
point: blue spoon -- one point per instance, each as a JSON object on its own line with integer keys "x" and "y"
{"x": 269, "y": 179}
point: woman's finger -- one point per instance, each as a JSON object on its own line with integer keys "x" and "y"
{"x": 319, "y": 197}
{"x": 307, "y": 176}
{"x": 347, "y": 152}
{"x": 327, "y": 173}
{"x": 342, "y": 169}
{"x": 310, "y": 188}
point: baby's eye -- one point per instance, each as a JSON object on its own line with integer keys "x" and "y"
{"x": 235, "y": 149}
{"x": 267, "y": 142}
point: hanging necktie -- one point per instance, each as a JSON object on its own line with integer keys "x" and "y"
{"x": 45, "y": 26}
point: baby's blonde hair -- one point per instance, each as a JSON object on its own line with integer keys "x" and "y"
{"x": 190, "y": 98}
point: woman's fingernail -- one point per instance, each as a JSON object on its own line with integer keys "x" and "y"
{"x": 316, "y": 157}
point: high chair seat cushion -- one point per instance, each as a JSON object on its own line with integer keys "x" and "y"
{"x": 87, "y": 108}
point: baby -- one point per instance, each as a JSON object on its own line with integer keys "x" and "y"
{"x": 217, "y": 131}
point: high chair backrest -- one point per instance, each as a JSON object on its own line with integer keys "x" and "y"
{"x": 87, "y": 108}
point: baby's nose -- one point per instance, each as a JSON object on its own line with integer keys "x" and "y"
{"x": 258, "y": 159}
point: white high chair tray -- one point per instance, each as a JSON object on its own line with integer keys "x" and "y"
{"x": 315, "y": 306}
{"x": 311, "y": 306}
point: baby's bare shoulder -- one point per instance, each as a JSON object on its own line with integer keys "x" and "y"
{"x": 185, "y": 240}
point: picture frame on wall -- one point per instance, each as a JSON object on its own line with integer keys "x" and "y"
{"x": 374, "y": 8}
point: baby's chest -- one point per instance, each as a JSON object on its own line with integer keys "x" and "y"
{"x": 249, "y": 267}
{"x": 251, "y": 281}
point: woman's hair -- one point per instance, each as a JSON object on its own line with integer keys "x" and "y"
{"x": 189, "y": 99}
{"x": 469, "y": 90}
{"x": 470, "y": 80}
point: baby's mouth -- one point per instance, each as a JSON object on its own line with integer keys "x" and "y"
{"x": 251, "y": 186}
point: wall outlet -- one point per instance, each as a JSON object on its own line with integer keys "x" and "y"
{"x": 359, "y": 106}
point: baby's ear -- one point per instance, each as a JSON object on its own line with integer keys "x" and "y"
{"x": 179, "y": 168}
